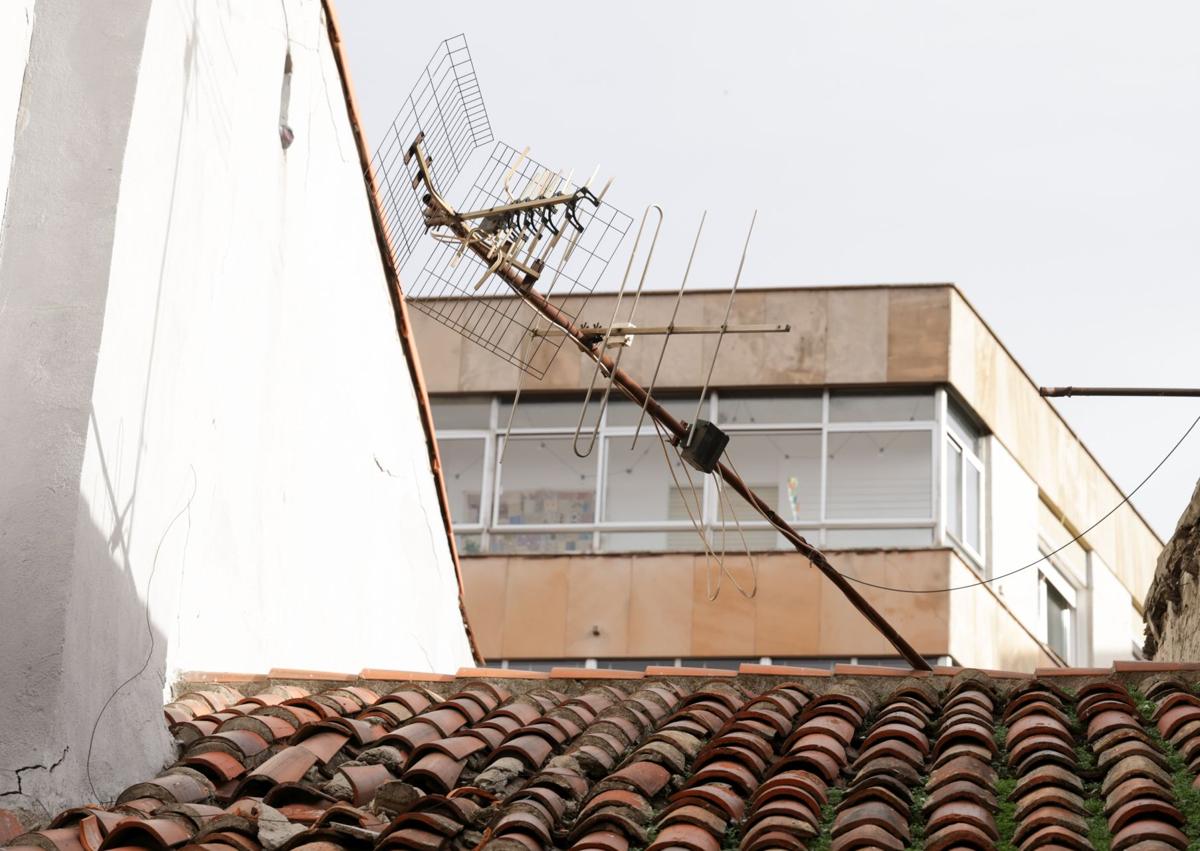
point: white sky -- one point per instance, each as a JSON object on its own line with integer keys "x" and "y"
{"x": 1043, "y": 156}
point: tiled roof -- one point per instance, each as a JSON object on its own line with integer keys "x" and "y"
{"x": 773, "y": 759}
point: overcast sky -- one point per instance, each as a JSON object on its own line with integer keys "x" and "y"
{"x": 1045, "y": 157}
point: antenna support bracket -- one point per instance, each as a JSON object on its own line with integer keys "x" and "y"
{"x": 703, "y": 445}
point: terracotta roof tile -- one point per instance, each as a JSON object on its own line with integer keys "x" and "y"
{"x": 1144, "y": 667}
{"x": 686, "y": 759}
{"x": 594, "y": 674}
{"x": 842, "y": 669}
{"x": 220, "y": 677}
{"x": 667, "y": 671}
{"x": 503, "y": 673}
{"x": 756, "y": 669}
{"x": 1071, "y": 672}
{"x": 404, "y": 676}
{"x": 300, "y": 674}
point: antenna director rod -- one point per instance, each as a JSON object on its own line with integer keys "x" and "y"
{"x": 1119, "y": 391}
{"x": 662, "y": 330}
{"x": 817, "y": 558}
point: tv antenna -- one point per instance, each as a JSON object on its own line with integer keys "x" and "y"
{"x": 532, "y": 232}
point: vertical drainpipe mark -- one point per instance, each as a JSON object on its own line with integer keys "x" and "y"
{"x": 285, "y": 95}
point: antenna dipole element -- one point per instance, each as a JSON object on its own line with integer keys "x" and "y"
{"x": 724, "y": 324}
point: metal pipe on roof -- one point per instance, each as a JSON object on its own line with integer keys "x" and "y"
{"x": 1119, "y": 391}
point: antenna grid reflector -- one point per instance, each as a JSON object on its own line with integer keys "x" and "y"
{"x": 446, "y": 105}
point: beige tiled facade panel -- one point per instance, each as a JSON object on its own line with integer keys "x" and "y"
{"x": 849, "y": 335}
{"x": 658, "y": 606}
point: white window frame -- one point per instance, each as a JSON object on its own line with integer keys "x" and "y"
{"x": 1050, "y": 575}
{"x": 974, "y": 460}
{"x": 486, "y": 487}
{"x": 815, "y": 530}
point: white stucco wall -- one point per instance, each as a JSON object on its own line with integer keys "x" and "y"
{"x": 1111, "y": 635}
{"x": 1104, "y": 606}
{"x": 16, "y": 27}
{"x": 56, "y": 242}
{"x": 255, "y": 489}
{"x": 1013, "y": 499}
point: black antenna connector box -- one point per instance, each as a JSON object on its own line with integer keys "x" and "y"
{"x": 703, "y": 446}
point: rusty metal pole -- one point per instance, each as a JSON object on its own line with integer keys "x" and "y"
{"x": 524, "y": 289}
{"x": 1119, "y": 391}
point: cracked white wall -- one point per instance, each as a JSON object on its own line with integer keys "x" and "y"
{"x": 252, "y": 487}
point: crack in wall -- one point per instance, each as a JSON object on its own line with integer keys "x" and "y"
{"x": 421, "y": 504}
{"x": 47, "y": 768}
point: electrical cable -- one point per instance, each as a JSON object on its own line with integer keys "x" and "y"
{"x": 149, "y": 630}
{"x": 727, "y": 503}
{"x": 1035, "y": 563}
{"x": 696, "y": 524}
{"x": 709, "y": 554}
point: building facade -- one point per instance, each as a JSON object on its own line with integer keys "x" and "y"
{"x": 890, "y": 427}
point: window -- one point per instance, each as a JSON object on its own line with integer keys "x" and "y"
{"x": 964, "y": 480}
{"x": 465, "y": 446}
{"x": 459, "y": 414}
{"x": 463, "y": 463}
{"x": 640, "y": 491}
{"x": 1058, "y": 622}
{"x": 760, "y": 410}
{"x": 880, "y": 475}
{"x": 881, "y": 407}
{"x": 850, "y": 470}
{"x": 542, "y": 483}
{"x": 1056, "y": 611}
{"x": 784, "y": 471}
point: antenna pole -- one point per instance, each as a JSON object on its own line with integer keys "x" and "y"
{"x": 638, "y": 394}
{"x": 1119, "y": 391}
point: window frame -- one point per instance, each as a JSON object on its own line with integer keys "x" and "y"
{"x": 976, "y": 461}
{"x": 486, "y": 487}
{"x": 1050, "y": 575}
{"x": 815, "y": 529}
